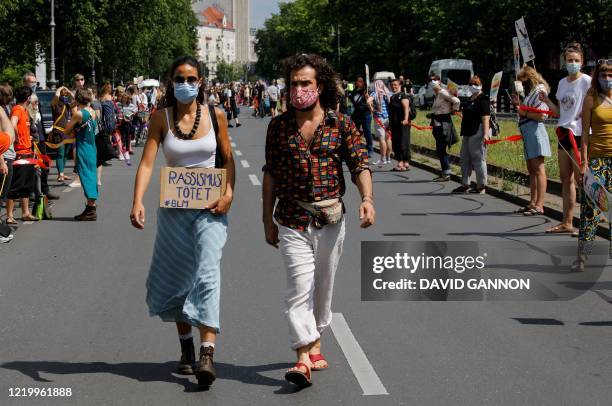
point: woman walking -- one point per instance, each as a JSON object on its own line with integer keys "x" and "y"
{"x": 84, "y": 126}
{"x": 570, "y": 93}
{"x": 185, "y": 289}
{"x": 474, "y": 131}
{"x": 596, "y": 151}
{"x": 535, "y": 138}
{"x": 379, "y": 101}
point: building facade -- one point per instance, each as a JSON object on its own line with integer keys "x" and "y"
{"x": 224, "y": 32}
{"x": 216, "y": 39}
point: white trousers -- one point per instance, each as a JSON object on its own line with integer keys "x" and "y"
{"x": 311, "y": 258}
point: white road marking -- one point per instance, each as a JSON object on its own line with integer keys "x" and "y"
{"x": 28, "y": 222}
{"x": 254, "y": 180}
{"x": 68, "y": 189}
{"x": 238, "y": 153}
{"x": 233, "y": 144}
{"x": 362, "y": 369}
{"x": 244, "y": 163}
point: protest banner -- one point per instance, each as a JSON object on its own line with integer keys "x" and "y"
{"x": 495, "y": 84}
{"x": 597, "y": 194}
{"x": 517, "y": 56}
{"x": 523, "y": 40}
{"x": 191, "y": 188}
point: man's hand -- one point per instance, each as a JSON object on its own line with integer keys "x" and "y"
{"x": 271, "y": 230}
{"x": 3, "y": 166}
{"x": 406, "y": 122}
{"x": 584, "y": 167}
{"x": 367, "y": 214}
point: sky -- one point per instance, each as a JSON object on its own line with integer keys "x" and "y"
{"x": 262, "y": 9}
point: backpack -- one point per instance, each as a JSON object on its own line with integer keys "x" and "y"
{"x": 413, "y": 110}
{"x": 109, "y": 119}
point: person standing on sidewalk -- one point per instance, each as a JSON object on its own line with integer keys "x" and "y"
{"x": 474, "y": 133}
{"x": 185, "y": 288}
{"x": 362, "y": 114}
{"x": 305, "y": 148}
{"x": 84, "y": 126}
{"x": 596, "y": 152}
{"x": 571, "y": 93}
{"x": 379, "y": 101}
{"x": 535, "y": 137}
{"x": 399, "y": 123}
{"x": 442, "y": 125}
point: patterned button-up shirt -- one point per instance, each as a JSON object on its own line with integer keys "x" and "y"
{"x": 311, "y": 173}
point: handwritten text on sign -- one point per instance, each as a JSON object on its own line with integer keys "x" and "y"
{"x": 191, "y": 188}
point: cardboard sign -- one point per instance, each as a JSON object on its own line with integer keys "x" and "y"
{"x": 452, "y": 86}
{"x": 597, "y": 193}
{"x": 523, "y": 39}
{"x": 495, "y": 84}
{"x": 191, "y": 188}
{"x": 517, "y": 56}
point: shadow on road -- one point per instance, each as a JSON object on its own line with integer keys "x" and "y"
{"x": 153, "y": 372}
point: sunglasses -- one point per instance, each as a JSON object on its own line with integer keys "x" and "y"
{"x": 181, "y": 79}
{"x": 604, "y": 61}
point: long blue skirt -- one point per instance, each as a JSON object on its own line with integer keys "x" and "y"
{"x": 185, "y": 276}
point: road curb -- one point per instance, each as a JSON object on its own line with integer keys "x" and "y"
{"x": 548, "y": 211}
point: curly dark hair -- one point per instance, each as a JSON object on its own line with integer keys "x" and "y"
{"x": 169, "y": 100}
{"x": 326, "y": 77}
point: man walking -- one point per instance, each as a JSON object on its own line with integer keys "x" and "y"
{"x": 305, "y": 148}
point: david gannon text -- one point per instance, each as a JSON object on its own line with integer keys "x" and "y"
{"x": 453, "y": 284}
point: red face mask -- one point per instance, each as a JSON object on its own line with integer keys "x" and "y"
{"x": 303, "y": 98}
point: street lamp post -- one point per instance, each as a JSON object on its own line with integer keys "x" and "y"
{"x": 52, "y": 81}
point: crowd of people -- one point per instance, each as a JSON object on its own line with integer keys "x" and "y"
{"x": 92, "y": 125}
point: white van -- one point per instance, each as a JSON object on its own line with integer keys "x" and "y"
{"x": 459, "y": 71}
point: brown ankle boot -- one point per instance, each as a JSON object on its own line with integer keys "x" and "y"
{"x": 205, "y": 370}
{"x": 89, "y": 214}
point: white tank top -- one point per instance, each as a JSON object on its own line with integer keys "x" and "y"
{"x": 198, "y": 153}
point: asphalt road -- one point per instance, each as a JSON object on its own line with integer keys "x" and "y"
{"x": 73, "y": 313}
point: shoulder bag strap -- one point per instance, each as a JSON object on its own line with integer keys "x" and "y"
{"x": 213, "y": 118}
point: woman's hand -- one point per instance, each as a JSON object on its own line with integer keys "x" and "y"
{"x": 137, "y": 216}
{"x": 584, "y": 167}
{"x": 367, "y": 214}
{"x": 515, "y": 99}
{"x": 221, "y": 206}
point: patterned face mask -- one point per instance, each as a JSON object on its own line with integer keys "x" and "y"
{"x": 304, "y": 99}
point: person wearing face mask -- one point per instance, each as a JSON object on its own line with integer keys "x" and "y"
{"x": 362, "y": 114}
{"x": 570, "y": 93}
{"x": 399, "y": 123}
{"x": 61, "y": 112}
{"x": 379, "y": 104}
{"x": 442, "y": 125}
{"x": 185, "y": 289}
{"x": 306, "y": 201}
{"x": 474, "y": 133}
{"x": 536, "y": 144}
{"x": 596, "y": 152}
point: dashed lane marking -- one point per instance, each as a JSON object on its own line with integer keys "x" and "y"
{"x": 254, "y": 180}
{"x": 244, "y": 163}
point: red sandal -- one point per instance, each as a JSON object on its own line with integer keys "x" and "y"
{"x": 318, "y": 357}
{"x": 297, "y": 377}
